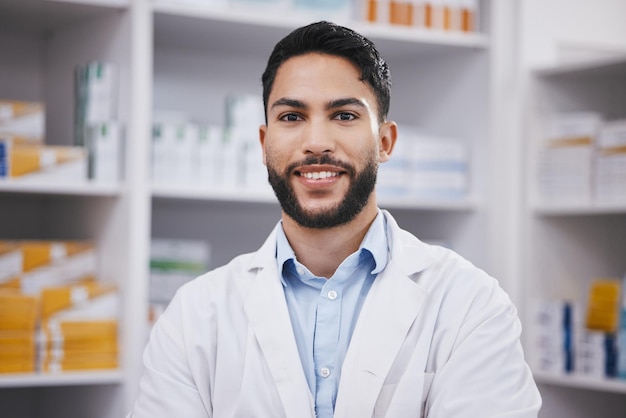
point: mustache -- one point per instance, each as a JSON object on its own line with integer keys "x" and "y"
{"x": 323, "y": 159}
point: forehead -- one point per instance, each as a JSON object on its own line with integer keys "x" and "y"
{"x": 314, "y": 74}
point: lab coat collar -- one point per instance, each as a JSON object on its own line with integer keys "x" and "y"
{"x": 410, "y": 254}
{"x": 268, "y": 316}
{"x": 390, "y": 309}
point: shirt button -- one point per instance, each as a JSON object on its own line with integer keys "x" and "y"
{"x": 332, "y": 295}
{"x": 300, "y": 270}
{"x": 325, "y": 371}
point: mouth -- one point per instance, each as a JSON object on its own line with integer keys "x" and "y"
{"x": 316, "y": 175}
{"x": 318, "y": 172}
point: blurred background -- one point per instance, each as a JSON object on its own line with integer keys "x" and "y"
{"x": 130, "y": 164}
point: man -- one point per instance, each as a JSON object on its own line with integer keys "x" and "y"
{"x": 340, "y": 312}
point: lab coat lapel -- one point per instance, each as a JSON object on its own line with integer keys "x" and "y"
{"x": 387, "y": 315}
{"x": 266, "y": 308}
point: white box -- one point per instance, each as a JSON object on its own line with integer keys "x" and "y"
{"x": 104, "y": 145}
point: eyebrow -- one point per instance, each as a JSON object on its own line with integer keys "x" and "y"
{"x": 348, "y": 101}
{"x": 285, "y": 101}
{"x": 333, "y": 104}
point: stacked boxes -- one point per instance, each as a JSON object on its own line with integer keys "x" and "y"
{"x": 588, "y": 341}
{"x": 96, "y": 153}
{"x": 610, "y": 167}
{"x": 583, "y": 159}
{"x": 96, "y": 127}
{"x": 225, "y": 156}
{"x": 243, "y": 155}
{"x": 185, "y": 153}
{"x": 22, "y": 121}
{"x": 566, "y": 157}
{"x": 553, "y": 332}
{"x": 54, "y": 314}
{"x": 82, "y": 337}
{"x": 18, "y": 320}
{"x": 23, "y": 154}
{"x": 425, "y": 167}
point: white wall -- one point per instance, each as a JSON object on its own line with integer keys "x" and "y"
{"x": 549, "y": 26}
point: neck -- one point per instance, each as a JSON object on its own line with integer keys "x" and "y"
{"x": 323, "y": 250}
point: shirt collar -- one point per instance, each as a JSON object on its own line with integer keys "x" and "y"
{"x": 374, "y": 242}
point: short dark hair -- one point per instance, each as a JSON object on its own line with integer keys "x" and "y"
{"x": 329, "y": 38}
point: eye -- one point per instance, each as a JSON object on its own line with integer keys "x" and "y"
{"x": 345, "y": 116}
{"x": 290, "y": 117}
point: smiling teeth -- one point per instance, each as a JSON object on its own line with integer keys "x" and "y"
{"x": 319, "y": 175}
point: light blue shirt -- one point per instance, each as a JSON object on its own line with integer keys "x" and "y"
{"x": 324, "y": 311}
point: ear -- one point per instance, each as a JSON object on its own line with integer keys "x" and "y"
{"x": 388, "y": 134}
{"x": 262, "y": 133}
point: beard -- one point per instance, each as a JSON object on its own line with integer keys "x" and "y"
{"x": 361, "y": 187}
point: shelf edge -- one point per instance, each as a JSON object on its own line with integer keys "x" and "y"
{"x": 581, "y": 382}
{"x": 61, "y": 379}
{"x": 79, "y": 189}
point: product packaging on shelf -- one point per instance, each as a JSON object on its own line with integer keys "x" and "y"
{"x": 55, "y": 314}
{"x": 95, "y": 88}
{"x": 82, "y": 337}
{"x": 585, "y": 339}
{"x": 173, "y": 262}
{"x": 610, "y": 165}
{"x": 28, "y": 162}
{"x": 425, "y": 167}
{"x": 224, "y": 156}
{"x": 24, "y": 155}
{"x": 22, "y": 121}
{"x": 565, "y": 164}
{"x": 621, "y": 334}
{"x": 103, "y": 141}
{"x": 583, "y": 159}
{"x": 96, "y": 127}
{"x": 440, "y": 15}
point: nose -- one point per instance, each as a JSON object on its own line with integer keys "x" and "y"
{"x": 317, "y": 138}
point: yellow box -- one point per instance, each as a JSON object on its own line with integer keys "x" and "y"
{"x": 603, "y": 305}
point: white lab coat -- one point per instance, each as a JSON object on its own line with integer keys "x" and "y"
{"x": 436, "y": 338}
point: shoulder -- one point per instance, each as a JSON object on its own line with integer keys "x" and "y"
{"x": 448, "y": 279}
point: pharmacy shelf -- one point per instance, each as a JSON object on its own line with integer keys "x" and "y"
{"x": 594, "y": 208}
{"x": 569, "y": 242}
{"x": 61, "y": 379}
{"x": 581, "y": 382}
{"x": 40, "y": 16}
{"x": 47, "y": 188}
{"x": 200, "y": 27}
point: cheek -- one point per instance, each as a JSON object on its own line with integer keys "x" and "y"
{"x": 272, "y": 156}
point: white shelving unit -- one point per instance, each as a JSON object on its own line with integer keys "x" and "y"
{"x": 569, "y": 244}
{"x": 189, "y": 58}
{"x": 41, "y": 42}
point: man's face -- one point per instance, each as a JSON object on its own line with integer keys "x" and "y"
{"x": 322, "y": 142}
